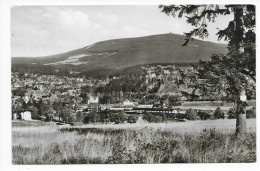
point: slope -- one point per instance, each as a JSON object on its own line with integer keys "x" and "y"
{"x": 122, "y": 53}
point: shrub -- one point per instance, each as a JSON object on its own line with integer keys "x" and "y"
{"x": 231, "y": 113}
{"x": 118, "y": 118}
{"x": 86, "y": 119}
{"x": 174, "y": 99}
{"x": 251, "y": 113}
{"x": 203, "y": 115}
{"x": 148, "y": 117}
{"x": 91, "y": 118}
{"x": 104, "y": 116}
{"x": 191, "y": 114}
{"x": 36, "y": 117}
{"x": 154, "y": 117}
{"x": 219, "y": 113}
{"x": 79, "y": 116}
{"x": 132, "y": 118}
{"x": 94, "y": 117}
{"x": 71, "y": 119}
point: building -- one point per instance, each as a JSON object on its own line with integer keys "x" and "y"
{"x": 145, "y": 106}
{"x": 93, "y": 99}
{"x": 128, "y": 103}
{"x": 94, "y": 107}
{"x": 26, "y": 115}
{"x": 165, "y": 71}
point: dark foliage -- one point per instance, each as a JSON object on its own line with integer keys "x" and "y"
{"x": 36, "y": 117}
{"x": 118, "y": 118}
{"x": 219, "y": 114}
{"x": 191, "y": 114}
{"x": 231, "y": 113}
{"x": 157, "y": 118}
{"x": 132, "y": 118}
{"x": 251, "y": 113}
{"x": 203, "y": 115}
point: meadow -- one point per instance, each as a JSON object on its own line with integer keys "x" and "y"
{"x": 211, "y": 141}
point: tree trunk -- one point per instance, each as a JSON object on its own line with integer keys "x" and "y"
{"x": 236, "y": 47}
{"x": 241, "y": 114}
{"x": 241, "y": 124}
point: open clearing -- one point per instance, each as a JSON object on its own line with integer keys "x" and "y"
{"x": 227, "y": 124}
{"x": 175, "y": 142}
{"x": 188, "y": 126}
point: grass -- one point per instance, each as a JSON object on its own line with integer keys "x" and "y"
{"x": 191, "y": 142}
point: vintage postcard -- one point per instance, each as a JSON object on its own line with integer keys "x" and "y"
{"x": 133, "y": 84}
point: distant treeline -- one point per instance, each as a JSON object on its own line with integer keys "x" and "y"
{"x": 87, "y": 72}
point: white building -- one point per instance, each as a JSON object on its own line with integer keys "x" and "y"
{"x": 165, "y": 71}
{"x": 128, "y": 103}
{"x": 26, "y": 115}
{"x": 145, "y": 106}
{"x": 93, "y": 99}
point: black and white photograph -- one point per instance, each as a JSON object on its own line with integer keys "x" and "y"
{"x": 132, "y": 84}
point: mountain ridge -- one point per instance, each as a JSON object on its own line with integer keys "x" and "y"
{"x": 125, "y": 52}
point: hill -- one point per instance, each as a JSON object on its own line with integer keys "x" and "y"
{"x": 122, "y": 53}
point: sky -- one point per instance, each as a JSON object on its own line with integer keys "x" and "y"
{"x": 47, "y": 30}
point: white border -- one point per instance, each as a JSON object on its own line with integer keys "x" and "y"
{"x": 5, "y": 89}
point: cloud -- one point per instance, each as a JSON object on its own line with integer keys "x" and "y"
{"x": 46, "y": 30}
{"x": 58, "y": 29}
{"x": 65, "y": 19}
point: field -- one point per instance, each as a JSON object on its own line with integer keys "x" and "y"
{"x": 211, "y": 141}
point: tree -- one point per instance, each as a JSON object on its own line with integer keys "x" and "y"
{"x": 251, "y": 113}
{"x": 86, "y": 119}
{"x": 67, "y": 114}
{"x": 132, "y": 118}
{"x": 48, "y": 112}
{"x": 104, "y": 116}
{"x": 80, "y": 116}
{"x": 33, "y": 109}
{"x": 203, "y": 115}
{"x": 156, "y": 117}
{"x": 118, "y": 118}
{"x": 16, "y": 108}
{"x": 191, "y": 114}
{"x": 231, "y": 113}
{"x": 219, "y": 113}
{"x": 238, "y": 66}
{"x": 94, "y": 117}
{"x": 59, "y": 108}
{"x": 173, "y": 99}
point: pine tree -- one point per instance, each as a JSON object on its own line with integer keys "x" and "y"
{"x": 238, "y": 66}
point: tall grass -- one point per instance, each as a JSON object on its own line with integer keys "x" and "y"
{"x": 76, "y": 145}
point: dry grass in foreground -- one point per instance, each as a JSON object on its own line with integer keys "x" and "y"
{"x": 79, "y": 145}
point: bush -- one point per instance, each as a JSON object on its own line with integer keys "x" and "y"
{"x": 36, "y": 117}
{"x": 148, "y": 117}
{"x": 79, "y": 116}
{"x": 91, "y": 118}
{"x": 191, "y": 114}
{"x": 219, "y": 113}
{"x": 251, "y": 113}
{"x": 203, "y": 115}
{"x": 154, "y": 117}
{"x": 132, "y": 118}
{"x": 174, "y": 99}
{"x": 86, "y": 119}
{"x": 71, "y": 119}
{"x": 118, "y": 118}
{"x": 104, "y": 117}
{"x": 231, "y": 113}
{"x": 94, "y": 117}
